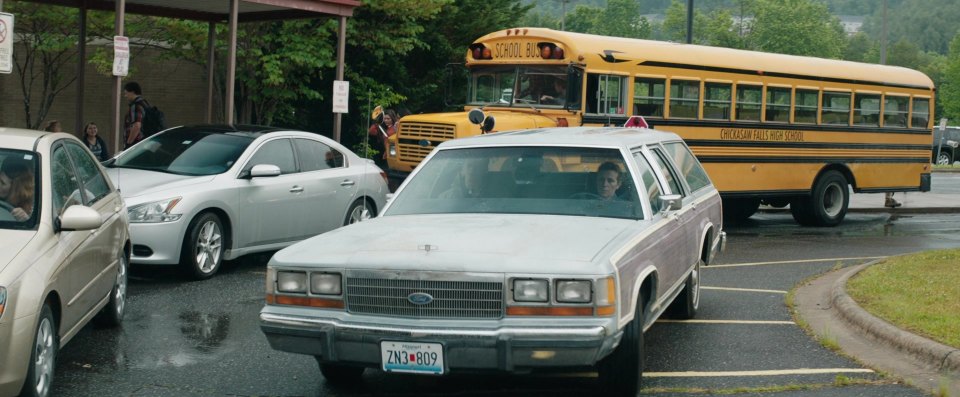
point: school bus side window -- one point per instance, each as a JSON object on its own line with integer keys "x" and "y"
{"x": 648, "y": 97}
{"x": 716, "y": 100}
{"x": 921, "y": 113}
{"x": 866, "y": 109}
{"x": 836, "y": 108}
{"x": 895, "y": 111}
{"x": 778, "y": 104}
{"x": 805, "y": 109}
{"x": 606, "y": 94}
{"x": 684, "y": 98}
{"x": 748, "y": 102}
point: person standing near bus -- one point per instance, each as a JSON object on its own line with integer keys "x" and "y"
{"x": 380, "y": 132}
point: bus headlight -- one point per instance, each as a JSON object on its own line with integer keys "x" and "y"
{"x": 393, "y": 150}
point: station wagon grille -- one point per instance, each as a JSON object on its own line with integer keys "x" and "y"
{"x": 418, "y": 139}
{"x": 451, "y": 299}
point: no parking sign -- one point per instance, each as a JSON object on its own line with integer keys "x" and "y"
{"x": 6, "y": 43}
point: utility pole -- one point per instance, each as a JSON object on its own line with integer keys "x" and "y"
{"x": 689, "y": 21}
{"x": 883, "y": 36}
{"x": 563, "y": 16}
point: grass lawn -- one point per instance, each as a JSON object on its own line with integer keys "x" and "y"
{"x": 919, "y": 292}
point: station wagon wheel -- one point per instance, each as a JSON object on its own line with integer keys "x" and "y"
{"x": 340, "y": 375}
{"x": 621, "y": 372}
{"x": 356, "y": 212}
{"x": 43, "y": 356}
{"x": 112, "y": 314}
{"x": 686, "y": 304}
{"x": 943, "y": 158}
{"x": 202, "y": 251}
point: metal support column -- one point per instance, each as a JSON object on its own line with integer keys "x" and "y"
{"x": 231, "y": 62}
{"x": 211, "y": 67}
{"x": 118, "y": 138}
{"x": 689, "y": 21}
{"x": 341, "y": 48}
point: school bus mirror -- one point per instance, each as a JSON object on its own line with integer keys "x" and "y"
{"x": 475, "y": 116}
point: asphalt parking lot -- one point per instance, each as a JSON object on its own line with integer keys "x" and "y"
{"x": 202, "y": 338}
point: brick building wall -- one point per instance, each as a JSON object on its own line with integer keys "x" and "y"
{"x": 179, "y": 88}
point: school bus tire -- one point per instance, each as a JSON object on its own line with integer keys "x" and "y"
{"x": 827, "y": 204}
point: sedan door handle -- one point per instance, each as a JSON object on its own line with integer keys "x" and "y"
{"x": 347, "y": 182}
{"x": 296, "y": 189}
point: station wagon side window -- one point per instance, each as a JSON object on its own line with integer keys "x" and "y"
{"x": 277, "y": 152}
{"x": 649, "y": 181}
{"x": 315, "y": 155}
{"x": 94, "y": 183}
{"x": 669, "y": 174}
{"x": 689, "y": 166}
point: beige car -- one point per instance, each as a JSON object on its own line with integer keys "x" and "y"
{"x": 64, "y": 249}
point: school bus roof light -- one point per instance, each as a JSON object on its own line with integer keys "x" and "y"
{"x": 558, "y": 53}
{"x": 550, "y": 51}
{"x": 487, "y": 54}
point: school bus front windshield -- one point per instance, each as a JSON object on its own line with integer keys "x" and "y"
{"x": 533, "y": 85}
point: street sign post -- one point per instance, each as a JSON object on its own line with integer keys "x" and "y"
{"x": 121, "y": 55}
{"x": 6, "y": 43}
{"x": 341, "y": 96}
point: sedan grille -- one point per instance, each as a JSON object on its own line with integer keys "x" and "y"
{"x": 450, "y": 299}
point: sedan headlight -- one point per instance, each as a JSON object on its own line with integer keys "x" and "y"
{"x": 325, "y": 283}
{"x": 530, "y": 290}
{"x": 154, "y": 212}
{"x": 295, "y": 282}
{"x": 3, "y": 300}
{"x": 574, "y": 291}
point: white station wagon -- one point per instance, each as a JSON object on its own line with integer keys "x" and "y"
{"x": 549, "y": 248}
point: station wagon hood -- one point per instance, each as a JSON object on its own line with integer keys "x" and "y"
{"x": 133, "y": 182}
{"x": 458, "y": 242}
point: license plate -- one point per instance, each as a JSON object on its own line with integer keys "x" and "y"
{"x": 412, "y": 357}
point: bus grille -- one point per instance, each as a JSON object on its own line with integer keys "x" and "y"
{"x": 451, "y": 299}
{"x": 413, "y": 135}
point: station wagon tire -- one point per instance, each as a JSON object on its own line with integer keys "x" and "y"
{"x": 739, "y": 209}
{"x": 943, "y": 158}
{"x": 620, "y": 372}
{"x": 827, "y": 203}
{"x": 112, "y": 314}
{"x": 340, "y": 375}
{"x": 355, "y": 213}
{"x": 686, "y": 304}
{"x": 43, "y": 356}
{"x": 202, "y": 251}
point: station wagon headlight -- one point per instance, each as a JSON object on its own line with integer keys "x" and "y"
{"x": 154, "y": 211}
{"x": 530, "y": 290}
{"x": 3, "y": 300}
{"x": 325, "y": 283}
{"x": 295, "y": 282}
{"x": 574, "y": 291}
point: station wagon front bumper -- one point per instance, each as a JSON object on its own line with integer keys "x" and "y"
{"x": 469, "y": 348}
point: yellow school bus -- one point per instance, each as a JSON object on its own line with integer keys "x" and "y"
{"x": 769, "y": 128}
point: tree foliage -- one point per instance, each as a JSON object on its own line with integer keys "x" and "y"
{"x": 950, "y": 90}
{"x": 797, "y": 27}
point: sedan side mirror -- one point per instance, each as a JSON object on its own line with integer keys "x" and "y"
{"x": 78, "y": 217}
{"x": 671, "y": 202}
{"x": 264, "y": 170}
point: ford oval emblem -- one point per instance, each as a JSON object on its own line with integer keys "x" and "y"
{"x": 424, "y": 143}
{"x": 420, "y": 298}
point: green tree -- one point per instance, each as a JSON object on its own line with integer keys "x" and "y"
{"x": 950, "y": 89}
{"x": 798, "y": 27}
{"x": 621, "y": 18}
{"x": 674, "y": 27}
{"x": 860, "y": 48}
{"x": 930, "y": 24}
{"x": 582, "y": 19}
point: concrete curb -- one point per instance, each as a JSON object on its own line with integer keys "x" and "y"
{"x": 901, "y": 210}
{"x": 934, "y": 354}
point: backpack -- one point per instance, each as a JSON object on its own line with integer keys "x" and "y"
{"x": 153, "y": 119}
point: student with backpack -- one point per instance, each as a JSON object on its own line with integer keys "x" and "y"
{"x": 142, "y": 119}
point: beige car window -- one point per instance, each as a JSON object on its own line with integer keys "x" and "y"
{"x": 64, "y": 181}
{"x": 94, "y": 183}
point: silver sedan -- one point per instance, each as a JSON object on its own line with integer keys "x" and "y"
{"x": 198, "y": 195}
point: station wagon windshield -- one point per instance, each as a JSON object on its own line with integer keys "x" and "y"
{"x": 518, "y": 86}
{"x": 186, "y": 152}
{"x": 522, "y": 180}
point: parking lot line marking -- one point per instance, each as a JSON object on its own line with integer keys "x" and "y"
{"x": 796, "y": 261}
{"x": 727, "y": 322}
{"x": 800, "y": 371}
{"x": 770, "y": 291}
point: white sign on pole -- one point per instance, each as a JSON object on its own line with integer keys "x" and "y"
{"x": 6, "y": 43}
{"x": 121, "y": 55}
{"x": 341, "y": 96}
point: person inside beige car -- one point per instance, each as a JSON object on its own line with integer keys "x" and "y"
{"x": 16, "y": 188}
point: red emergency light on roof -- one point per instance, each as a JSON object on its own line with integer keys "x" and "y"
{"x": 636, "y": 122}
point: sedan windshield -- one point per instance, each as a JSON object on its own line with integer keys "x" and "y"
{"x": 522, "y": 180}
{"x": 19, "y": 194}
{"x": 518, "y": 86}
{"x": 186, "y": 151}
